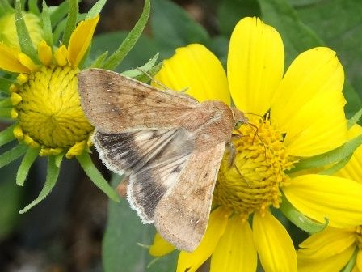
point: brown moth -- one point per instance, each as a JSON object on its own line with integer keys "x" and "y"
{"x": 168, "y": 144}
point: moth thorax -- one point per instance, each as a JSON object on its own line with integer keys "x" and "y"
{"x": 252, "y": 170}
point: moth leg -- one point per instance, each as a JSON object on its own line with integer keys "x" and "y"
{"x": 232, "y": 156}
{"x": 122, "y": 187}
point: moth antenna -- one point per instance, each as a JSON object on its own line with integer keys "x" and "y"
{"x": 232, "y": 155}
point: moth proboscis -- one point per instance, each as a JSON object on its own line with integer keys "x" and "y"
{"x": 168, "y": 144}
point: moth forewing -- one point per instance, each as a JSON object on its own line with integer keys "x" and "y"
{"x": 114, "y": 103}
{"x": 181, "y": 216}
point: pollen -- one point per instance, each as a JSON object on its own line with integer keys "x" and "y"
{"x": 252, "y": 170}
{"x": 48, "y": 110}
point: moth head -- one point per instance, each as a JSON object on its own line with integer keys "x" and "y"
{"x": 239, "y": 117}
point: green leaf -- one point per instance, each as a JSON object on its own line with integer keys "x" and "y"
{"x": 33, "y": 7}
{"x": 297, "y": 37}
{"x": 25, "y": 42}
{"x": 11, "y": 155}
{"x": 354, "y": 119}
{"x": 140, "y": 71}
{"x": 123, "y": 234}
{"x": 27, "y": 162}
{"x": 331, "y": 157}
{"x": 59, "y": 13}
{"x": 116, "y": 58}
{"x": 47, "y": 25}
{"x": 95, "y": 176}
{"x": 52, "y": 176}
{"x": 338, "y": 23}
{"x": 96, "y": 9}
{"x": 229, "y": 12}
{"x": 173, "y": 27}
{"x": 299, "y": 219}
{"x": 9, "y": 201}
{"x": 98, "y": 62}
{"x": 7, "y": 135}
{"x": 59, "y": 30}
{"x": 140, "y": 53}
{"x": 71, "y": 21}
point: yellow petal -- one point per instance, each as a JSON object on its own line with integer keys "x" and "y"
{"x": 327, "y": 243}
{"x": 45, "y": 53}
{"x": 195, "y": 70}
{"x": 353, "y": 169}
{"x": 235, "y": 250}
{"x": 308, "y": 106}
{"x": 359, "y": 260}
{"x": 80, "y": 40}
{"x": 255, "y": 65}
{"x": 275, "y": 247}
{"x": 331, "y": 264}
{"x": 190, "y": 262}
{"x": 320, "y": 197}
{"x": 27, "y": 62}
{"x": 9, "y": 60}
{"x": 160, "y": 246}
{"x": 61, "y": 55}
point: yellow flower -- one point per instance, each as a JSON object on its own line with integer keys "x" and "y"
{"x": 331, "y": 249}
{"x": 293, "y": 115}
{"x": 8, "y": 34}
{"x": 45, "y": 103}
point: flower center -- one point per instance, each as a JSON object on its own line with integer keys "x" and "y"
{"x": 48, "y": 109}
{"x": 252, "y": 170}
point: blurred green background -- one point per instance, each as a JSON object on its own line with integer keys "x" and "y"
{"x": 65, "y": 232}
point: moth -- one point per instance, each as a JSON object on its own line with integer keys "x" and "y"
{"x": 168, "y": 144}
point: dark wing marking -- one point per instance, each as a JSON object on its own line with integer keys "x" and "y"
{"x": 153, "y": 159}
{"x": 114, "y": 103}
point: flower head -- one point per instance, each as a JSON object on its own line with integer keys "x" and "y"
{"x": 40, "y": 95}
{"x": 333, "y": 248}
{"x": 289, "y": 119}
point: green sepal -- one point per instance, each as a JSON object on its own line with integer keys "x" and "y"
{"x": 116, "y": 58}
{"x": 5, "y": 103}
{"x": 98, "y": 62}
{"x": 7, "y": 135}
{"x": 52, "y": 176}
{"x": 33, "y": 7}
{"x": 5, "y": 7}
{"x": 354, "y": 119}
{"x": 47, "y": 25}
{"x": 300, "y": 220}
{"x": 95, "y": 176}
{"x": 11, "y": 155}
{"x": 334, "y": 156}
{"x": 96, "y": 9}
{"x": 5, "y": 84}
{"x": 146, "y": 70}
{"x": 59, "y": 29}
{"x": 25, "y": 42}
{"x": 27, "y": 162}
{"x": 71, "y": 21}
{"x": 58, "y": 13}
{"x": 352, "y": 262}
{"x": 5, "y": 112}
